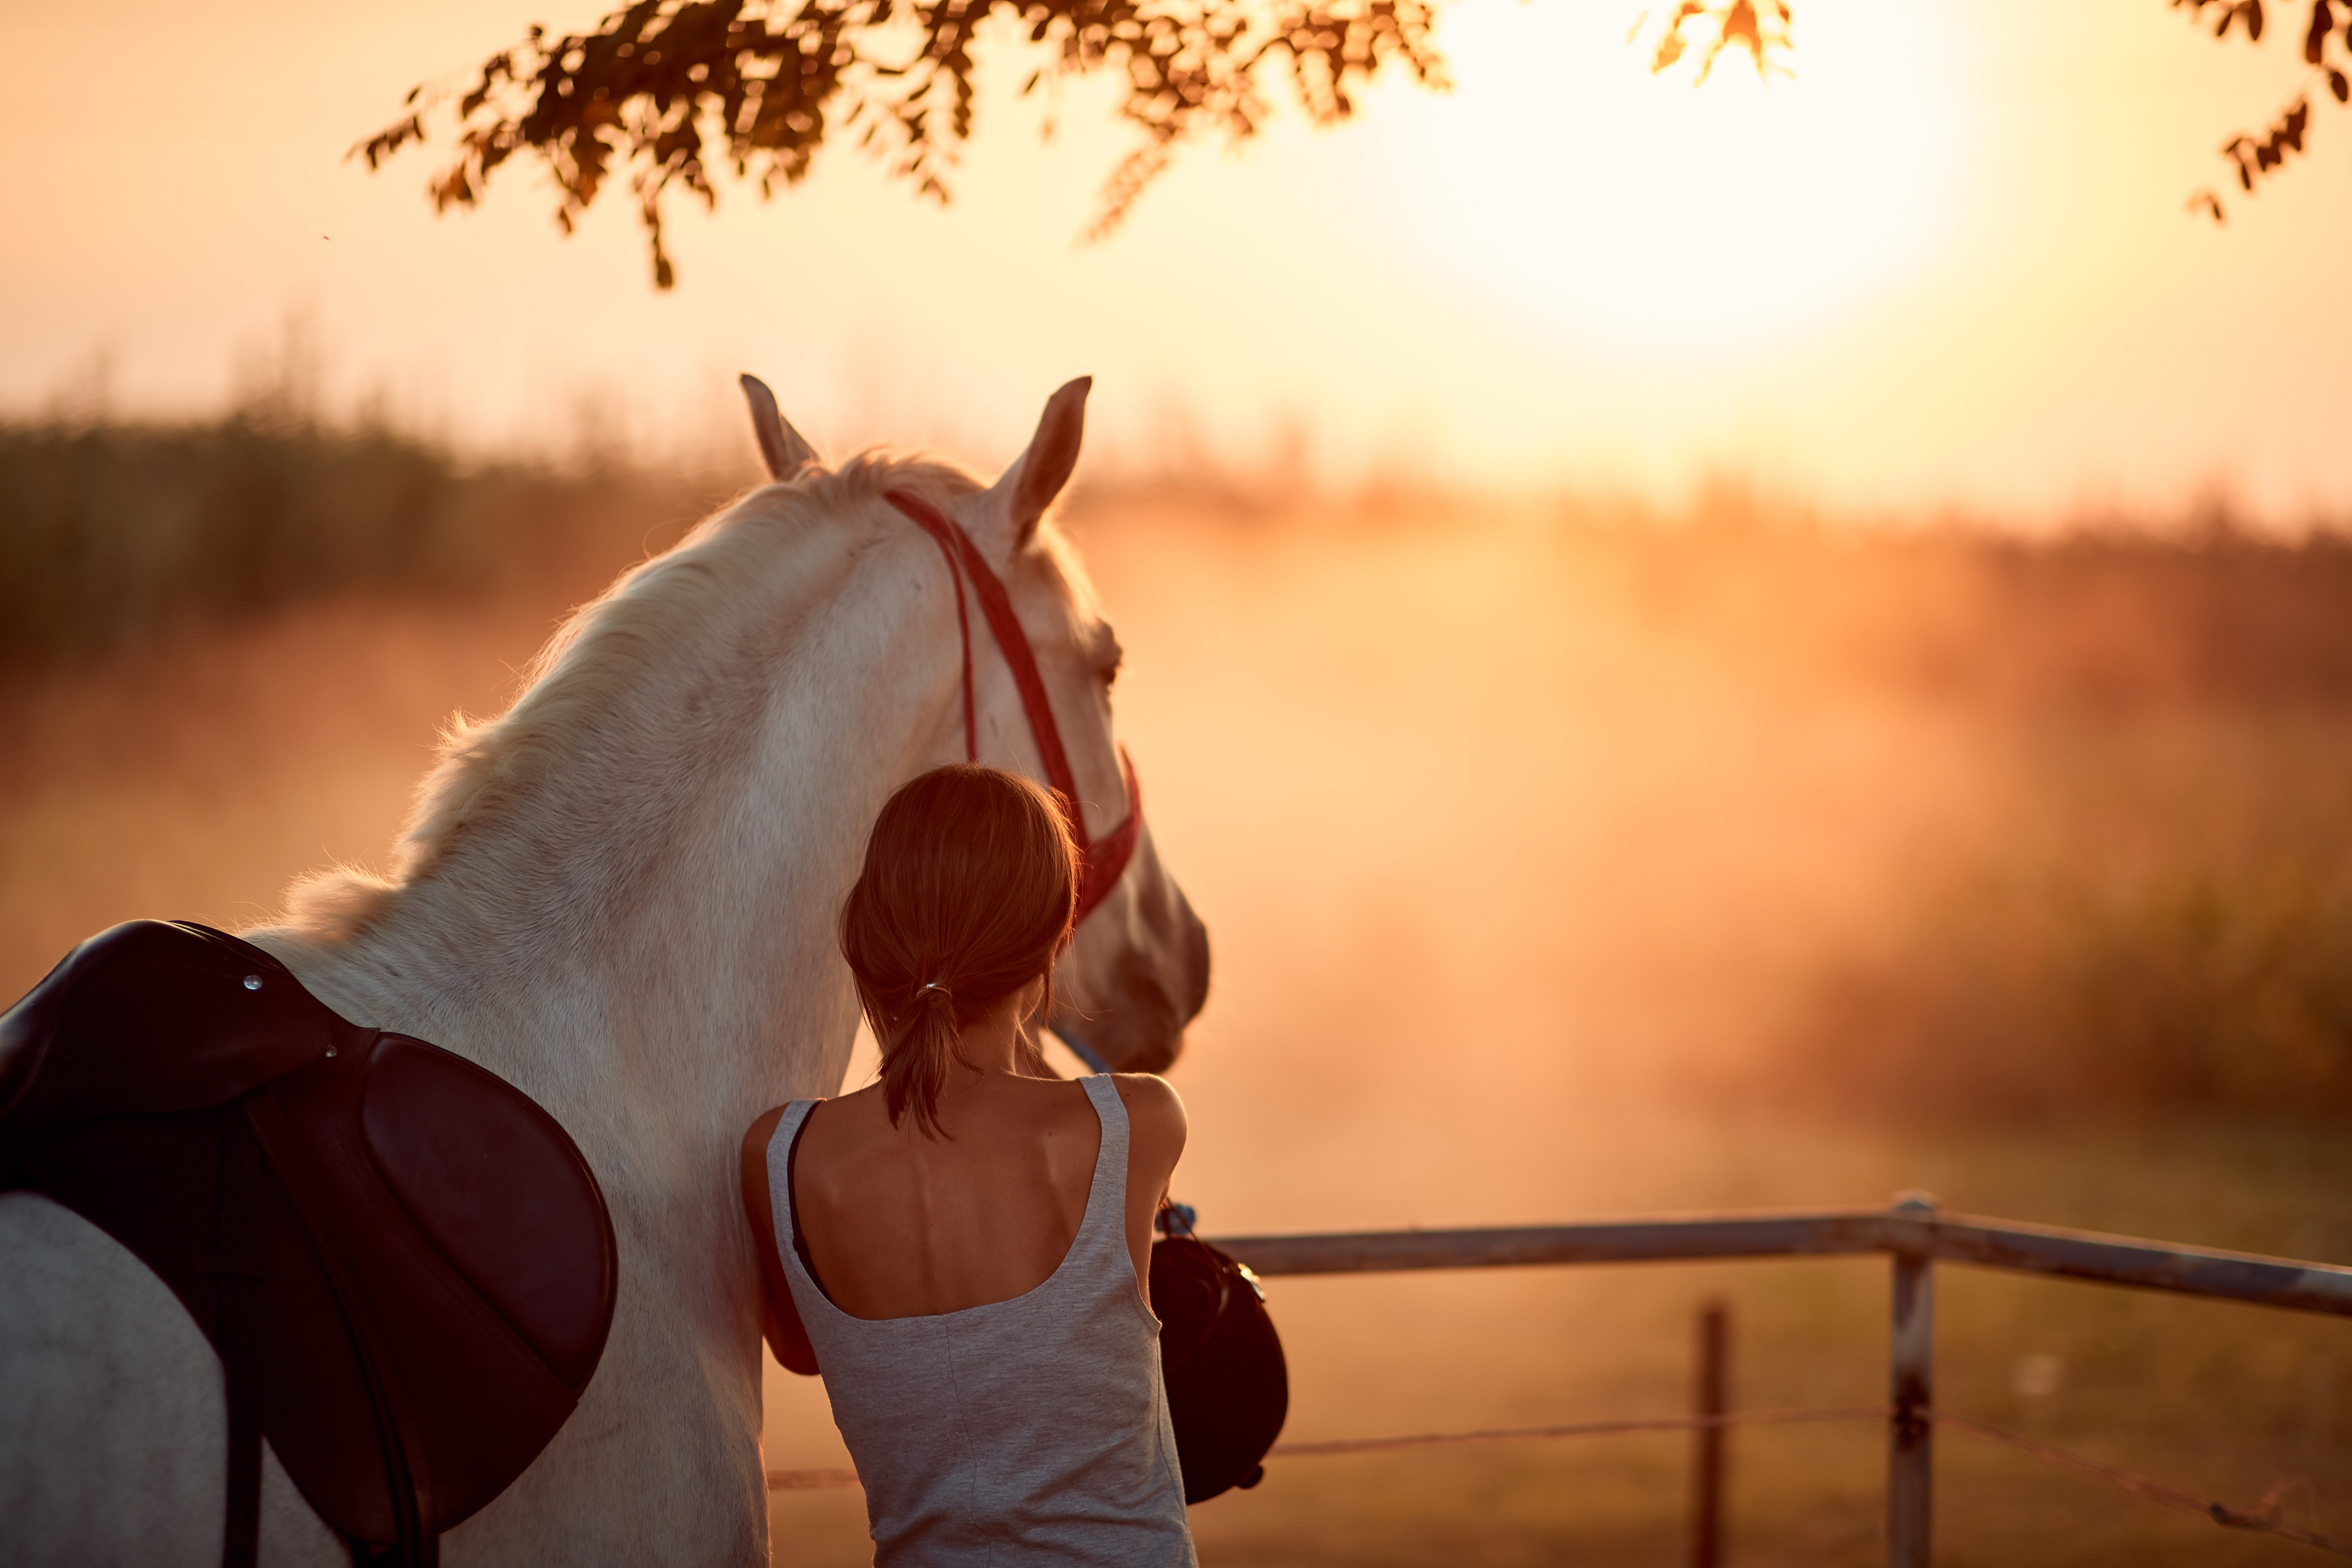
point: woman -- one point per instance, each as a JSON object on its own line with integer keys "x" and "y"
{"x": 964, "y": 1245}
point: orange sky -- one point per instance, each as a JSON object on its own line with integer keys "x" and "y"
{"x": 1946, "y": 264}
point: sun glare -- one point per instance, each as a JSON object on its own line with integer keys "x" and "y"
{"x": 1565, "y": 177}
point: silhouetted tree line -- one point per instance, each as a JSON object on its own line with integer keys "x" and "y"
{"x": 112, "y": 531}
{"x": 2087, "y": 622}
{"x": 112, "y": 534}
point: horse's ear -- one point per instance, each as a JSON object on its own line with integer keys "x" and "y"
{"x": 781, "y": 445}
{"x": 1038, "y": 477}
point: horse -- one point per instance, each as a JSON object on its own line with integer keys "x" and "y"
{"x": 621, "y": 896}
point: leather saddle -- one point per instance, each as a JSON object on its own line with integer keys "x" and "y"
{"x": 403, "y": 1263}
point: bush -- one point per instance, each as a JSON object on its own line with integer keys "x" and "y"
{"x": 111, "y": 535}
{"x": 2170, "y": 930}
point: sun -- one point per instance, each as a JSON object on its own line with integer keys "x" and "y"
{"x": 1597, "y": 197}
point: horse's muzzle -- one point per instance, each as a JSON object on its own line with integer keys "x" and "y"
{"x": 1155, "y": 988}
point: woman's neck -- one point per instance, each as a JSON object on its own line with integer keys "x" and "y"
{"x": 998, "y": 1042}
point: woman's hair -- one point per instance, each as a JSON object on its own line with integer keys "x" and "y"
{"x": 968, "y": 891}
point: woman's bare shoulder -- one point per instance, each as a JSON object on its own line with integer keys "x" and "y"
{"x": 762, "y": 1131}
{"x": 1153, "y": 1103}
{"x": 847, "y": 1123}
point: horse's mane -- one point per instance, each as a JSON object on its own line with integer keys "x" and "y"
{"x": 619, "y": 662}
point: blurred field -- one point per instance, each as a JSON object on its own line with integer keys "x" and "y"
{"x": 1565, "y": 861}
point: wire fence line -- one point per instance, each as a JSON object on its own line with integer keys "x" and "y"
{"x": 810, "y": 1481}
{"x": 1914, "y": 1234}
{"x": 1570, "y": 1429}
{"x": 820, "y": 1479}
{"x": 2265, "y": 1517}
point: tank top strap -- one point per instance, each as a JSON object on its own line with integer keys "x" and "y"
{"x": 1105, "y": 1216}
{"x": 780, "y": 1185}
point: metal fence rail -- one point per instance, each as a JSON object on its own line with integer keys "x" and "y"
{"x": 1912, "y": 1228}
{"x": 1911, "y": 1232}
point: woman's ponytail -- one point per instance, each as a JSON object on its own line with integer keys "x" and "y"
{"x": 967, "y": 894}
{"x": 915, "y": 1071}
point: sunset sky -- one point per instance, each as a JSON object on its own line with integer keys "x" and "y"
{"x": 1946, "y": 264}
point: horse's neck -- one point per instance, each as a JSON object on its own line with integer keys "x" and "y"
{"x": 654, "y": 960}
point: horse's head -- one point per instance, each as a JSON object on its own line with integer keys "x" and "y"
{"x": 1138, "y": 971}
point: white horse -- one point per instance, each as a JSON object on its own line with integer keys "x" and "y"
{"x": 621, "y": 896}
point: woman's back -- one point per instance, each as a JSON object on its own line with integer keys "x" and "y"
{"x": 901, "y": 1225}
{"x": 976, "y": 1309}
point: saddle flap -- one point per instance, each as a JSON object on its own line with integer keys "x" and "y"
{"x": 415, "y": 1278}
{"x": 472, "y": 1257}
{"x": 494, "y": 1182}
{"x": 152, "y": 1018}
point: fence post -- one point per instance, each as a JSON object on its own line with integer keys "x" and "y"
{"x": 1911, "y": 1358}
{"x": 1712, "y": 1399}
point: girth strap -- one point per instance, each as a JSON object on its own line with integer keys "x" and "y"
{"x": 234, "y": 1270}
{"x": 415, "y": 1543}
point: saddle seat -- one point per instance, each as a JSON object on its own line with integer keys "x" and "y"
{"x": 405, "y": 1263}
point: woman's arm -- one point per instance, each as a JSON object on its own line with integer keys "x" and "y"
{"x": 1156, "y": 1132}
{"x": 780, "y": 1319}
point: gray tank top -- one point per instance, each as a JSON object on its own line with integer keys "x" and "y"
{"x": 1029, "y": 1430}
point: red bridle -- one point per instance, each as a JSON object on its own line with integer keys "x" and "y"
{"x": 1101, "y": 861}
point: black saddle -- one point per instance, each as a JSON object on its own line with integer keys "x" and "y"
{"x": 403, "y": 1261}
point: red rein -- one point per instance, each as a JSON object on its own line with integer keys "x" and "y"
{"x": 1101, "y": 861}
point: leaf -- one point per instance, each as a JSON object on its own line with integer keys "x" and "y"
{"x": 2338, "y": 85}
{"x": 2297, "y": 118}
{"x": 2253, "y": 12}
{"x": 2315, "y": 38}
{"x": 656, "y": 95}
{"x": 2237, "y": 149}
